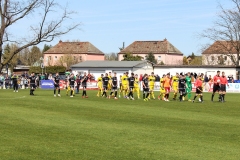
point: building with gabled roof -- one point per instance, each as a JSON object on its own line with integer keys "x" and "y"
{"x": 221, "y": 53}
{"x": 163, "y": 51}
{"x": 80, "y": 51}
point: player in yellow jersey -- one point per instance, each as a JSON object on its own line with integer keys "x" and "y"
{"x": 162, "y": 90}
{"x": 136, "y": 86}
{"x": 100, "y": 85}
{"x": 175, "y": 85}
{"x": 125, "y": 84}
{"x": 151, "y": 80}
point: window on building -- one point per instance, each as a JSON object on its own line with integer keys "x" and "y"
{"x": 212, "y": 57}
{"x": 49, "y": 57}
{"x": 225, "y": 58}
{"x": 55, "y": 57}
{"x": 159, "y": 58}
{"x": 80, "y": 58}
{"x": 74, "y": 58}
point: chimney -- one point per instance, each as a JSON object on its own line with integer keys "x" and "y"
{"x": 123, "y": 45}
{"x": 60, "y": 41}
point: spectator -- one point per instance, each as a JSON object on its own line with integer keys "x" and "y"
{"x": 25, "y": 74}
{"x": 230, "y": 79}
{"x": 7, "y": 82}
{"x": 50, "y": 77}
{"x": 89, "y": 76}
{"x": 46, "y": 76}
{"x": 1, "y": 80}
{"x": 157, "y": 78}
{"x": 141, "y": 77}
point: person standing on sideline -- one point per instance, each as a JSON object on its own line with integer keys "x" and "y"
{"x": 223, "y": 83}
{"x": 84, "y": 85}
{"x": 199, "y": 88}
{"x": 216, "y": 84}
{"x": 32, "y": 81}
{"x": 15, "y": 82}
{"x": 56, "y": 81}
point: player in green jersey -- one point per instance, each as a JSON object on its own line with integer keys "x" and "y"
{"x": 189, "y": 85}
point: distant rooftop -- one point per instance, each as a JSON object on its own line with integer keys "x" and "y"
{"x": 73, "y": 47}
{"x": 145, "y": 47}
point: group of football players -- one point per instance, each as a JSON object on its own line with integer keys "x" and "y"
{"x": 180, "y": 83}
{"x": 128, "y": 85}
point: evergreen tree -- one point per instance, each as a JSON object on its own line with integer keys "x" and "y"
{"x": 131, "y": 57}
{"x": 150, "y": 57}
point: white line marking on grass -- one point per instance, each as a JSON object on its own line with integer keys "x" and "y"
{"x": 14, "y": 97}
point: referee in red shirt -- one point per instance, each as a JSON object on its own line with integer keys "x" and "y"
{"x": 216, "y": 84}
{"x": 198, "y": 85}
{"x": 223, "y": 84}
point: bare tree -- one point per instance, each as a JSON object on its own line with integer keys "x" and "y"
{"x": 67, "y": 60}
{"x": 12, "y": 11}
{"x": 226, "y": 32}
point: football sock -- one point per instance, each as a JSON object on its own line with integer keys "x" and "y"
{"x": 194, "y": 97}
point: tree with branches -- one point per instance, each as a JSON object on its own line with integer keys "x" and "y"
{"x": 225, "y": 33}
{"x": 45, "y": 30}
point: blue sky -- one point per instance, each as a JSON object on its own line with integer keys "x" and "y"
{"x": 109, "y": 23}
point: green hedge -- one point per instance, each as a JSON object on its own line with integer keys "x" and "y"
{"x": 49, "y": 69}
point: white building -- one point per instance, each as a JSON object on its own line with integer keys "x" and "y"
{"x": 100, "y": 67}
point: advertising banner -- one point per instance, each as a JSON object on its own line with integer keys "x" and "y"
{"x": 47, "y": 84}
{"x": 90, "y": 85}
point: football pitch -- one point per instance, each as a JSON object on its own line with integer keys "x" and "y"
{"x": 46, "y": 127}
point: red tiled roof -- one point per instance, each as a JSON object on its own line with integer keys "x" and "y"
{"x": 74, "y": 47}
{"x": 222, "y": 47}
{"x": 156, "y": 47}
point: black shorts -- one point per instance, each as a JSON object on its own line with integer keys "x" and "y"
{"x": 32, "y": 86}
{"x": 130, "y": 88}
{"x": 199, "y": 90}
{"x": 105, "y": 87}
{"x": 216, "y": 87}
{"x": 84, "y": 85}
{"x": 114, "y": 88}
{"x": 223, "y": 88}
{"x": 182, "y": 91}
{"x": 145, "y": 90}
{"x": 56, "y": 85}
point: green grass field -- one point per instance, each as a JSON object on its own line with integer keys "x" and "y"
{"x": 46, "y": 127}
